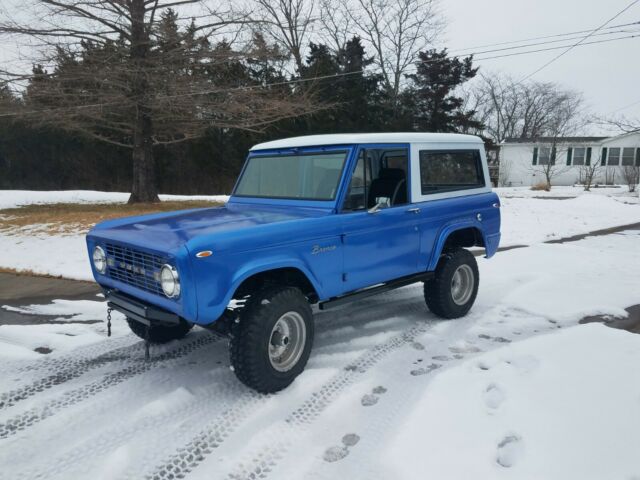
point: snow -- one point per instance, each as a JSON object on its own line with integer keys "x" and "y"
{"x": 18, "y": 198}
{"x": 559, "y": 406}
{"x": 69, "y": 333}
{"x": 513, "y": 390}
{"x": 526, "y": 220}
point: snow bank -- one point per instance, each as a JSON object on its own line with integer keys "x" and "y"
{"x": 557, "y": 406}
{"x": 621, "y": 192}
{"x": 17, "y": 198}
{"x": 526, "y": 221}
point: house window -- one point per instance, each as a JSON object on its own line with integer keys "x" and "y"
{"x": 544, "y": 155}
{"x": 447, "y": 171}
{"x": 614, "y": 156}
{"x": 628, "y": 155}
{"x": 579, "y": 155}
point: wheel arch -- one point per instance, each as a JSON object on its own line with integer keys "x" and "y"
{"x": 459, "y": 235}
{"x": 280, "y": 273}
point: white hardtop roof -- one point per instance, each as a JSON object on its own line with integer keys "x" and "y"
{"x": 353, "y": 138}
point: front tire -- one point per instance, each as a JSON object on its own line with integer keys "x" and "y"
{"x": 453, "y": 289}
{"x": 271, "y": 342}
{"x": 160, "y": 333}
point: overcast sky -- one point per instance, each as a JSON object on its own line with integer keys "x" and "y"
{"x": 608, "y": 74}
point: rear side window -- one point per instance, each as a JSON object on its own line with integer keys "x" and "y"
{"x": 450, "y": 170}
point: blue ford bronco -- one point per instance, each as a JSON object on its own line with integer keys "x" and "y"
{"x": 324, "y": 220}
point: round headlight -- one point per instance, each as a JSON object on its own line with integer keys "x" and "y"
{"x": 170, "y": 281}
{"x": 99, "y": 260}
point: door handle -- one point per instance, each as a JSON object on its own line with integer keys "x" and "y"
{"x": 415, "y": 210}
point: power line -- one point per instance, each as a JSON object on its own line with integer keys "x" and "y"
{"x": 561, "y": 54}
{"x": 548, "y": 42}
{"x": 300, "y": 80}
{"x": 530, "y": 39}
{"x": 633, "y": 104}
{"x": 554, "y": 48}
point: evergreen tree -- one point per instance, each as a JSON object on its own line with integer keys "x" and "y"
{"x": 430, "y": 102}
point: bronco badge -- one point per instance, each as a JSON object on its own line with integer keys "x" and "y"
{"x": 318, "y": 249}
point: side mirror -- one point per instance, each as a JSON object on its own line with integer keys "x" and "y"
{"x": 381, "y": 202}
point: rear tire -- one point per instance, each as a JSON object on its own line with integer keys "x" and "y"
{"x": 271, "y": 342}
{"x": 453, "y": 289}
{"x": 160, "y": 333}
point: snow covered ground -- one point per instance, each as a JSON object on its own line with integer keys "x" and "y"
{"x": 528, "y": 217}
{"x": 20, "y": 198}
{"x": 515, "y": 390}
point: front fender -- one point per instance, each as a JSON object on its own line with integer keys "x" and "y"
{"x": 222, "y": 287}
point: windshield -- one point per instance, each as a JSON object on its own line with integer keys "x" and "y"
{"x": 313, "y": 176}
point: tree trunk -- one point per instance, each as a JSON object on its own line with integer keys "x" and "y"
{"x": 144, "y": 188}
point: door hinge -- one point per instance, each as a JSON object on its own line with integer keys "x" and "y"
{"x": 344, "y": 277}
{"x": 342, "y": 235}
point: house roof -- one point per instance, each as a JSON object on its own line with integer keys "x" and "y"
{"x": 556, "y": 139}
{"x": 356, "y": 138}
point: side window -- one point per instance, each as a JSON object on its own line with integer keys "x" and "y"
{"x": 448, "y": 171}
{"x": 380, "y": 177}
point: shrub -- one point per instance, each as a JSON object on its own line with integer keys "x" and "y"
{"x": 541, "y": 186}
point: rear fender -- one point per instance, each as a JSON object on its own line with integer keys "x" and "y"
{"x": 447, "y": 230}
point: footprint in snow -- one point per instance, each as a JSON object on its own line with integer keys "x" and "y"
{"x": 338, "y": 452}
{"x": 494, "y": 396}
{"x": 509, "y": 451}
{"x": 424, "y": 370}
{"x": 350, "y": 439}
{"x": 417, "y": 346}
{"x": 372, "y": 398}
{"x": 333, "y": 454}
{"x": 369, "y": 400}
{"x": 465, "y": 349}
{"x": 482, "y": 365}
{"x": 494, "y": 339}
{"x": 441, "y": 358}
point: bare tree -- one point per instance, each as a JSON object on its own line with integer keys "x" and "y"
{"x": 396, "y": 30}
{"x": 511, "y": 109}
{"x": 622, "y": 123}
{"x": 543, "y": 112}
{"x": 631, "y": 175}
{"x": 589, "y": 172}
{"x": 125, "y": 72}
{"x": 288, "y": 23}
{"x": 504, "y": 173}
{"x": 337, "y": 24}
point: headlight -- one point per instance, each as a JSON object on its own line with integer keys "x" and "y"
{"x": 170, "y": 281}
{"x": 99, "y": 260}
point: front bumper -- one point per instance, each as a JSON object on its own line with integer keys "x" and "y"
{"x": 138, "y": 310}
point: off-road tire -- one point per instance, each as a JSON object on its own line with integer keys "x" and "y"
{"x": 160, "y": 333}
{"x": 251, "y": 337}
{"x": 438, "y": 290}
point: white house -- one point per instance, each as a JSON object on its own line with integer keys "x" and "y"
{"x": 522, "y": 160}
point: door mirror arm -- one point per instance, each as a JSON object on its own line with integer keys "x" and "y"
{"x": 376, "y": 208}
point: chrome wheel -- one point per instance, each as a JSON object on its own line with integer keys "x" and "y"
{"x": 287, "y": 341}
{"x": 462, "y": 284}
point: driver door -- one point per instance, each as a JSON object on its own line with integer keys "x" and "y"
{"x": 380, "y": 228}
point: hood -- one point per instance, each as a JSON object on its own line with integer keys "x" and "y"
{"x": 169, "y": 231}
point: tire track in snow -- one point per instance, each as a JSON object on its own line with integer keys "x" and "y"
{"x": 73, "y": 368}
{"x": 192, "y": 454}
{"x": 117, "y": 435}
{"x": 35, "y": 415}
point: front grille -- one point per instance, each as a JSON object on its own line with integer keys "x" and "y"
{"x": 134, "y": 267}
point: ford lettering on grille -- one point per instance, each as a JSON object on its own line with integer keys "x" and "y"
{"x": 134, "y": 267}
